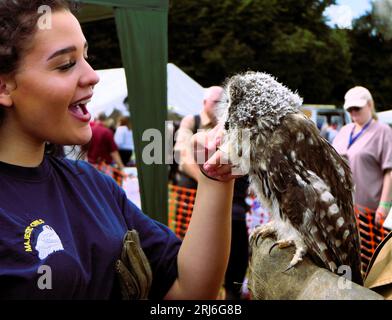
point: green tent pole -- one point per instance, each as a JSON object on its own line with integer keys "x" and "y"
{"x": 143, "y": 42}
{"x": 142, "y": 32}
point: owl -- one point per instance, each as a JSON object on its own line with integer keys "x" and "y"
{"x": 292, "y": 170}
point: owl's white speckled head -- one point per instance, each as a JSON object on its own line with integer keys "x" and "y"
{"x": 254, "y": 95}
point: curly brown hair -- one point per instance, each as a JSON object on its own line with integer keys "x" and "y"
{"x": 18, "y": 24}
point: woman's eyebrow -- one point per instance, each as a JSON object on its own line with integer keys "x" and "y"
{"x": 65, "y": 51}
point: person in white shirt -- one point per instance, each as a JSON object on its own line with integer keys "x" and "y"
{"x": 124, "y": 139}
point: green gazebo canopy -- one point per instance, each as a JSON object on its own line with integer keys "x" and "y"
{"x": 142, "y": 32}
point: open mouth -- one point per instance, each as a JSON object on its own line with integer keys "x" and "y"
{"x": 79, "y": 110}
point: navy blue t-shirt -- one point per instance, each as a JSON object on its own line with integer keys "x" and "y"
{"x": 61, "y": 231}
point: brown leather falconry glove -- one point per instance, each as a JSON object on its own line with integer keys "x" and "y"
{"x": 133, "y": 269}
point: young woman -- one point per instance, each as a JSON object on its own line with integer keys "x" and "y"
{"x": 65, "y": 216}
{"x": 367, "y": 144}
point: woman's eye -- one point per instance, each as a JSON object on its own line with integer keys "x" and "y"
{"x": 67, "y": 66}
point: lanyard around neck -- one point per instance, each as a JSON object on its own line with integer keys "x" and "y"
{"x": 353, "y": 137}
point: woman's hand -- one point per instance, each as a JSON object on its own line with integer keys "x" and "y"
{"x": 212, "y": 162}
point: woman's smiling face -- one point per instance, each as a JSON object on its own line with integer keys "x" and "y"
{"x": 52, "y": 85}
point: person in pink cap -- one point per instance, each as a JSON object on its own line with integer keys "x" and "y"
{"x": 367, "y": 144}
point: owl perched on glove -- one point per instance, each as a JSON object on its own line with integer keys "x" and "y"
{"x": 293, "y": 170}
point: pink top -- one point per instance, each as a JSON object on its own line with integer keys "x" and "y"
{"x": 368, "y": 156}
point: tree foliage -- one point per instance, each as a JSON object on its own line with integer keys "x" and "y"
{"x": 212, "y": 40}
{"x": 104, "y": 49}
{"x": 372, "y": 59}
{"x": 290, "y": 39}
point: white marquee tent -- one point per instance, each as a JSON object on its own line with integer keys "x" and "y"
{"x": 385, "y": 116}
{"x": 184, "y": 95}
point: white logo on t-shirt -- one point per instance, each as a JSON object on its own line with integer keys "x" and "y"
{"x": 48, "y": 242}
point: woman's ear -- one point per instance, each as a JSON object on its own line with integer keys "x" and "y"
{"x": 5, "y": 92}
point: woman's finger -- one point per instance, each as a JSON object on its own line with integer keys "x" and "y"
{"x": 223, "y": 170}
{"x": 216, "y": 160}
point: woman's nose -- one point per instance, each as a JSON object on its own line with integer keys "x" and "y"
{"x": 89, "y": 77}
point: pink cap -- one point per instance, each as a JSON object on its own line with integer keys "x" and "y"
{"x": 357, "y": 97}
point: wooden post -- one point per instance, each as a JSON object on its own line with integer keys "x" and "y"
{"x": 305, "y": 281}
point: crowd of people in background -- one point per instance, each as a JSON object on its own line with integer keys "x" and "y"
{"x": 111, "y": 142}
{"x": 330, "y": 130}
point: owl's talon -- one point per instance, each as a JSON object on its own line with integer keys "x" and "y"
{"x": 262, "y": 231}
{"x": 273, "y": 246}
{"x": 256, "y": 239}
{"x": 290, "y": 266}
